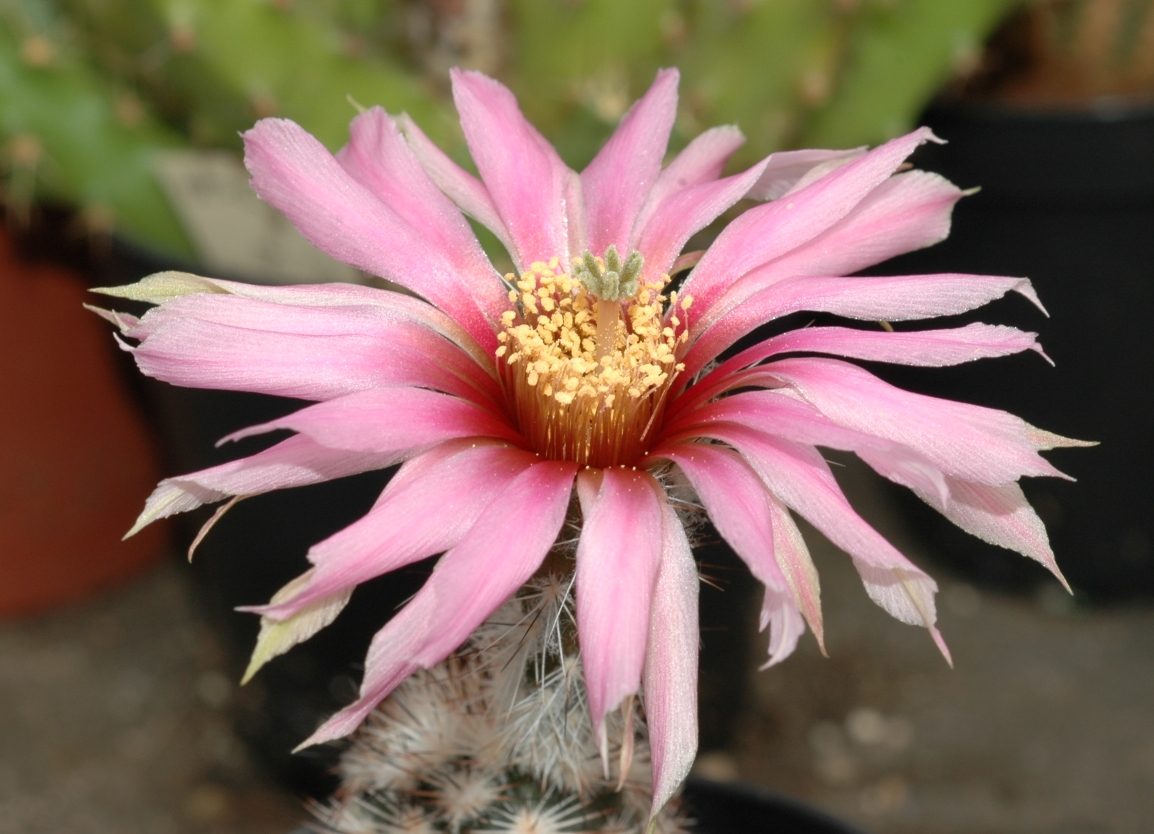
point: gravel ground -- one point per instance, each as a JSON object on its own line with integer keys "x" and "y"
{"x": 119, "y": 717}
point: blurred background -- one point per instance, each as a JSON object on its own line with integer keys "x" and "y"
{"x": 119, "y": 156}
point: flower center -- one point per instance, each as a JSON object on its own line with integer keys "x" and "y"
{"x": 587, "y": 359}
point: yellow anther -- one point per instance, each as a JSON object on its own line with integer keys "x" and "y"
{"x": 585, "y": 387}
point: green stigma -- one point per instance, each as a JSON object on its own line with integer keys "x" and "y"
{"x": 616, "y": 281}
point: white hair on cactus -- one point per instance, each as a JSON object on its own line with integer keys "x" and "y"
{"x": 545, "y": 817}
{"x": 498, "y": 738}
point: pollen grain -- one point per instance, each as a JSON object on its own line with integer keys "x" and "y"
{"x": 586, "y": 377}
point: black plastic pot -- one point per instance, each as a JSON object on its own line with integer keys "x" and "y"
{"x": 1067, "y": 200}
{"x": 734, "y": 808}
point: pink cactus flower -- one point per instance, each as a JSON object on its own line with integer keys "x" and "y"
{"x": 585, "y": 372}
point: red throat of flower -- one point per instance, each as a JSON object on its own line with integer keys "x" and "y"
{"x": 587, "y": 358}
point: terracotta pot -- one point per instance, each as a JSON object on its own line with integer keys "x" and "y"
{"x": 76, "y": 459}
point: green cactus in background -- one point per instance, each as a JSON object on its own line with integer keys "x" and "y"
{"x": 216, "y": 65}
{"x": 763, "y": 66}
{"x": 899, "y": 54}
{"x": 71, "y": 136}
{"x": 576, "y": 67}
{"x": 790, "y": 73}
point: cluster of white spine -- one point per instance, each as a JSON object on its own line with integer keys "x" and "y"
{"x": 498, "y": 739}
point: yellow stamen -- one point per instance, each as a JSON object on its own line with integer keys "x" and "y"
{"x": 587, "y": 377}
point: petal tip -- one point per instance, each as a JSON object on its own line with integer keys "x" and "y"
{"x": 940, "y": 642}
{"x": 142, "y": 521}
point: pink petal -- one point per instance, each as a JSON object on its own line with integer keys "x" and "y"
{"x": 617, "y": 562}
{"x": 388, "y": 421}
{"x": 779, "y": 414}
{"x": 889, "y": 298}
{"x": 315, "y": 353}
{"x": 737, "y": 503}
{"x": 802, "y": 480}
{"x": 283, "y": 312}
{"x": 575, "y": 216}
{"x": 772, "y": 230}
{"x": 389, "y": 306}
{"x": 999, "y": 515}
{"x": 792, "y": 555}
{"x": 906, "y": 212}
{"x": 671, "y": 663}
{"x": 297, "y": 461}
{"x": 933, "y": 348}
{"x": 526, "y": 179}
{"x": 685, "y": 213}
{"x": 419, "y": 466}
{"x": 588, "y": 486}
{"x": 428, "y": 514}
{"x": 785, "y": 170}
{"x": 295, "y": 173}
{"x": 468, "y": 192}
{"x": 965, "y": 441}
{"x": 383, "y": 162}
{"x": 495, "y": 558}
{"x": 617, "y": 181}
{"x": 701, "y": 161}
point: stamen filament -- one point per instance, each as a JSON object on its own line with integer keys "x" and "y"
{"x": 608, "y": 314}
{"x": 587, "y": 376}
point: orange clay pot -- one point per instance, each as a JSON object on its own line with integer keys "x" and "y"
{"x": 76, "y": 459}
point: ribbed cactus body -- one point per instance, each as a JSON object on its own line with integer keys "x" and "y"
{"x": 765, "y": 67}
{"x": 216, "y": 65}
{"x": 789, "y": 73}
{"x": 898, "y": 56}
